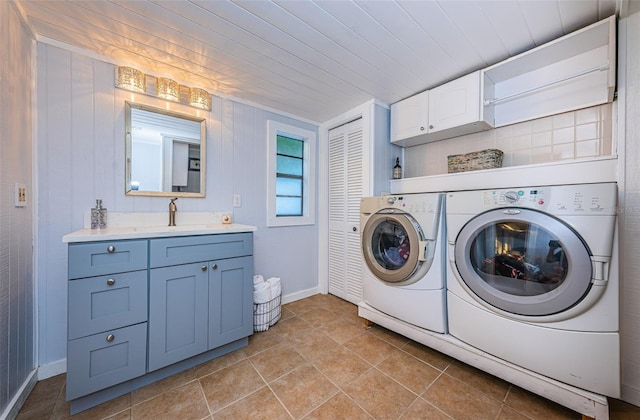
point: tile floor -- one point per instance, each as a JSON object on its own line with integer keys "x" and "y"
{"x": 320, "y": 362}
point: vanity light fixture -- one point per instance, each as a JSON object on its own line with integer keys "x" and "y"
{"x": 134, "y": 80}
{"x": 199, "y": 98}
{"x": 131, "y": 79}
{"x": 168, "y": 89}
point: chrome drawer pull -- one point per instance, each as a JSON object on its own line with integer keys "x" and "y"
{"x": 111, "y": 337}
{"x": 214, "y": 266}
{"x": 111, "y": 249}
{"x": 204, "y": 268}
{"x": 111, "y": 282}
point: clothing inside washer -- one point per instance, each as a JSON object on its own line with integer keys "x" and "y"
{"x": 519, "y": 258}
{"x": 390, "y": 244}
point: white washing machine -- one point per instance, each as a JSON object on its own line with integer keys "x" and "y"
{"x": 532, "y": 279}
{"x": 403, "y": 252}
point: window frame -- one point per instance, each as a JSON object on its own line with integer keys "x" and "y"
{"x": 308, "y": 137}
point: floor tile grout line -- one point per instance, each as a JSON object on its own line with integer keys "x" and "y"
{"x": 339, "y": 388}
{"x": 204, "y": 396}
{"x": 271, "y": 389}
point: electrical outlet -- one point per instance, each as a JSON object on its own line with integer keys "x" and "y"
{"x": 20, "y": 195}
{"x": 237, "y": 201}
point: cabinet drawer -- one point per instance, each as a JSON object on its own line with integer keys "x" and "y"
{"x": 103, "y": 360}
{"x": 99, "y": 258}
{"x": 104, "y": 303}
{"x": 188, "y": 249}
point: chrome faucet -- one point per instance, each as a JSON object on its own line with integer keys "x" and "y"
{"x": 172, "y": 212}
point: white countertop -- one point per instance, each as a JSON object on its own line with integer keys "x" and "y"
{"x": 136, "y": 232}
{"x": 137, "y": 225}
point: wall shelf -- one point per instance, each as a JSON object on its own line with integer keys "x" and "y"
{"x": 572, "y": 72}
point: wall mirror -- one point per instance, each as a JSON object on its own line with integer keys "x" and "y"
{"x": 165, "y": 152}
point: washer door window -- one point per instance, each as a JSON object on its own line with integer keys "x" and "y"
{"x": 523, "y": 261}
{"x": 393, "y": 247}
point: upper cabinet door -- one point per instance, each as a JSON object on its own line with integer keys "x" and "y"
{"x": 410, "y": 117}
{"x": 455, "y": 103}
{"x": 450, "y": 110}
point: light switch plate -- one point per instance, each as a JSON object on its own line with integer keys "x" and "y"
{"x": 237, "y": 200}
{"x": 20, "y": 195}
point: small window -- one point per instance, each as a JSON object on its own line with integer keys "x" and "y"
{"x": 289, "y": 176}
{"x": 290, "y": 192}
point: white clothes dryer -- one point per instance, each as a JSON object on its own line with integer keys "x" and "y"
{"x": 532, "y": 279}
{"x": 403, "y": 257}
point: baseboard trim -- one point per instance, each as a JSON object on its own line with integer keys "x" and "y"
{"x": 300, "y": 295}
{"x": 52, "y": 369}
{"x": 630, "y": 395}
{"x": 16, "y": 403}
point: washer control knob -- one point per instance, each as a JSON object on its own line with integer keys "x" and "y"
{"x": 391, "y": 200}
{"x": 511, "y": 197}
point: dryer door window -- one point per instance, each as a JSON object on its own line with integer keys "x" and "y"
{"x": 390, "y": 246}
{"x": 524, "y": 262}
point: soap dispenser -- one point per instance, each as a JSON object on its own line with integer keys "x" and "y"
{"x": 397, "y": 170}
{"x": 98, "y": 216}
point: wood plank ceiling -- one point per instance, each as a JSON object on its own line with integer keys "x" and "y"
{"x": 314, "y": 59}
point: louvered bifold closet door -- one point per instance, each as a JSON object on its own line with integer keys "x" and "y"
{"x": 345, "y": 192}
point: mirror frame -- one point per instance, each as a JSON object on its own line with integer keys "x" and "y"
{"x": 127, "y": 153}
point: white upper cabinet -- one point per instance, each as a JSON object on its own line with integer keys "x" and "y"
{"x": 410, "y": 118}
{"x": 455, "y": 106}
{"x": 449, "y": 110}
{"x": 569, "y": 73}
{"x": 572, "y": 72}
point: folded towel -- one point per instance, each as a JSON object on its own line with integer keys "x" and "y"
{"x": 261, "y": 293}
{"x": 257, "y": 279}
{"x": 275, "y": 285}
{"x": 276, "y": 290}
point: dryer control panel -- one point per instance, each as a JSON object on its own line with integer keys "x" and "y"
{"x": 521, "y": 197}
{"x": 581, "y": 199}
{"x": 410, "y": 203}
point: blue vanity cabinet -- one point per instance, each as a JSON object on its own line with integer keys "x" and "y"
{"x": 200, "y": 295}
{"x": 107, "y": 315}
{"x": 142, "y": 309}
{"x": 230, "y": 300}
{"x": 178, "y": 313}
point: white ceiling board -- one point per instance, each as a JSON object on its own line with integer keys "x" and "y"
{"x": 314, "y": 59}
{"x": 258, "y": 50}
{"x": 572, "y": 13}
{"x": 288, "y": 35}
{"x": 543, "y": 20}
{"x": 383, "y": 49}
{"x": 423, "y": 50}
{"x": 509, "y": 24}
{"x": 344, "y": 46}
{"x": 476, "y": 28}
{"x": 436, "y": 24}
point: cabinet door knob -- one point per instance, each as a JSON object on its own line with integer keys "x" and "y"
{"x": 422, "y": 128}
{"x": 214, "y": 266}
{"x": 431, "y": 127}
{"x": 204, "y": 268}
{"x": 111, "y": 337}
{"x": 111, "y": 282}
{"x": 111, "y": 249}
{"x": 355, "y": 229}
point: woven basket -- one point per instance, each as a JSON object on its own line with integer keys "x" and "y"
{"x": 266, "y": 314}
{"x": 484, "y": 159}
